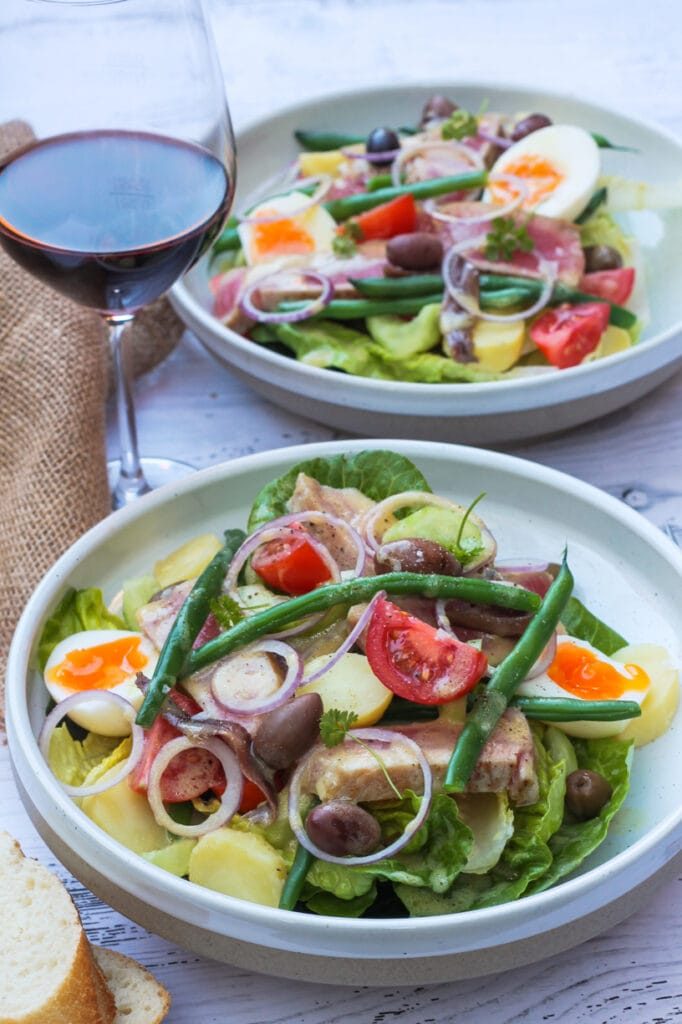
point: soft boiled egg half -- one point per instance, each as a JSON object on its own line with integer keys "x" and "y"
{"x": 286, "y": 226}
{"x": 100, "y": 659}
{"x": 579, "y": 671}
{"x": 559, "y": 166}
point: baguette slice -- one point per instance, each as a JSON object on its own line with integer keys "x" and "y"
{"x": 48, "y": 974}
{"x": 139, "y": 998}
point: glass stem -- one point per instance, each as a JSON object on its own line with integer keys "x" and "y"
{"x": 131, "y": 481}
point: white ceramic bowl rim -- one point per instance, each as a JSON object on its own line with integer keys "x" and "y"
{"x": 185, "y": 299}
{"x": 21, "y": 733}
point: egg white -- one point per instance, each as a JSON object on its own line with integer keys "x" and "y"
{"x": 99, "y": 718}
{"x": 543, "y": 686}
{"x": 319, "y": 226}
{"x": 573, "y": 153}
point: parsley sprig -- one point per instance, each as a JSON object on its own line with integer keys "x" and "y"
{"x": 226, "y": 611}
{"x": 460, "y": 125}
{"x": 505, "y": 238}
{"x": 346, "y": 239}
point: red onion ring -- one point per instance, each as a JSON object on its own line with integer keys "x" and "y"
{"x": 497, "y": 140}
{"x": 442, "y": 620}
{"x": 355, "y": 632}
{"x": 274, "y": 531}
{"x": 545, "y": 658}
{"x": 431, "y": 205}
{"x": 229, "y": 802}
{"x": 325, "y": 183}
{"x": 259, "y": 705}
{"x": 372, "y": 158}
{"x": 407, "y": 153}
{"x": 384, "y": 736}
{"x": 315, "y": 516}
{"x": 512, "y": 565}
{"x": 471, "y": 306}
{"x": 98, "y": 697}
{"x": 293, "y": 316}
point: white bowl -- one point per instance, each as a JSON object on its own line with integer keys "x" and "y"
{"x": 627, "y": 571}
{"x": 471, "y": 413}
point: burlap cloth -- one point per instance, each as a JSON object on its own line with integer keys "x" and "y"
{"x": 54, "y": 377}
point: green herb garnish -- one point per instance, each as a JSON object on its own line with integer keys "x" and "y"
{"x": 505, "y": 238}
{"x": 334, "y": 725}
{"x": 460, "y": 125}
{"x": 345, "y": 242}
{"x": 464, "y": 548}
{"x": 226, "y": 611}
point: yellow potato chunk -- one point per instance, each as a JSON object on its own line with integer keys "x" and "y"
{"x": 498, "y": 346}
{"x": 312, "y": 164}
{"x": 350, "y": 685}
{"x": 187, "y": 561}
{"x": 239, "y": 864}
{"x": 660, "y": 704}
{"x": 614, "y": 339}
{"x": 126, "y": 815}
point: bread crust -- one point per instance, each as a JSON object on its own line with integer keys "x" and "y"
{"x": 115, "y": 964}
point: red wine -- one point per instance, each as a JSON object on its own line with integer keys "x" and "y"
{"x": 111, "y": 218}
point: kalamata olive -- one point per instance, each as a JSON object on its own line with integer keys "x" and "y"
{"x": 418, "y": 250}
{"x": 286, "y": 733}
{"x": 437, "y": 107}
{"x": 343, "y": 829}
{"x": 528, "y": 125}
{"x": 382, "y": 140}
{"x": 416, "y": 555}
{"x": 487, "y": 618}
{"x": 601, "y": 257}
{"x": 586, "y": 793}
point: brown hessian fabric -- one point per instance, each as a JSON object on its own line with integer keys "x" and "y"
{"x": 54, "y": 369}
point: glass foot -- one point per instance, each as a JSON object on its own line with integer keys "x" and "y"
{"x": 157, "y": 472}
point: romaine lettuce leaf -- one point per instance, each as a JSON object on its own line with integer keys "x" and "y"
{"x": 574, "y": 841}
{"x": 582, "y": 624}
{"x": 332, "y": 906}
{"x": 378, "y": 474}
{"x": 77, "y": 610}
{"x": 491, "y": 821}
{"x": 72, "y": 761}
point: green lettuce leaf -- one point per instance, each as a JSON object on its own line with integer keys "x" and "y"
{"x": 378, "y": 474}
{"x": 575, "y": 840}
{"x": 602, "y": 229}
{"x": 174, "y": 857}
{"x": 491, "y": 821}
{"x": 582, "y": 624}
{"x": 346, "y": 883}
{"x": 77, "y": 610}
{"x": 74, "y": 761}
{"x": 326, "y": 904}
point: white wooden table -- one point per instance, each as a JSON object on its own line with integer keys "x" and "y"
{"x": 278, "y": 51}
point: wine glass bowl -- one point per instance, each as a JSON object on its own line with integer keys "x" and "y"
{"x": 132, "y": 170}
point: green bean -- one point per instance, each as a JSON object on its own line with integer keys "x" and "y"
{"x": 379, "y": 181}
{"x": 604, "y": 143}
{"x": 295, "y": 879}
{"x": 350, "y": 206}
{"x": 504, "y": 298}
{"x": 355, "y": 591}
{"x": 229, "y": 239}
{"x": 358, "y": 309}
{"x": 561, "y": 292}
{"x": 595, "y": 202}
{"x": 558, "y": 709}
{"x": 185, "y": 629}
{"x": 495, "y": 698}
{"x": 323, "y": 141}
{"x": 398, "y": 287}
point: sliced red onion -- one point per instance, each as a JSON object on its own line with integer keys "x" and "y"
{"x": 442, "y": 619}
{"x": 497, "y": 140}
{"x": 293, "y": 316}
{"x": 324, "y": 184}
{"x": 318, "y": 518}
{"x": 472, "y": 306}
{"x": 408, "y": 153}
{"x": 513, "y": 565}
{"x": 431, "y": 206}
{"x": 545, "y": 659}
{"x": 94, "y": 697}
{"x": 385, "y": 737}
{"x": 229, "y": 802}
{"x": 372, "y": 158}
{"x": 259, "y": 705}
{"x": 350, "y": 640}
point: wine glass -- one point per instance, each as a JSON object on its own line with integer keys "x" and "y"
{"x": 132, "y": 170}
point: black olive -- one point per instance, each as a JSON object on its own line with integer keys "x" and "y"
{"x": 343, "y": 829}
{"x": 437, "y": 108}
{"x": 586, "y": 793}
{"x": 529, "y": 124}
{"x": 382, "y": 140}
{"x": 601, "y": 257}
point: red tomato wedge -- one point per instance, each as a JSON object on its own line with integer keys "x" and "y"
{"x": 418, "y": 662}
{"x": 291, "y": 564}
{"x": 568, "y": 333}
{"x": 397, "y": 217}
{"x": 613, "y": 285}
{"x": 252, "y": 796}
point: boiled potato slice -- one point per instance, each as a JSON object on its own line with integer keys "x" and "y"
{"x": 660, "y": 704}
{"x": 187, "y": 561}
{"x": 498, "y": 346}
{"x": 350, "y": 685}
{"x": 312, "y": 164}
{"x": 238, "y": 864}
{"x": 614, "y": 339}
{"x": 126, "y": 815}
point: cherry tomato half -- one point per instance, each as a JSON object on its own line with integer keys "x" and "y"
{"x": 291, "y": 564}
{"x": 612, "y": 285}
{"x": 568, "y": 333}
{"x": 397, "y": 217}
{"x": 418, "y": 662}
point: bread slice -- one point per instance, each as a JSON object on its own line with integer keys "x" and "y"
{"x": 139, "y": 998}
{"x": 48, "y": 974}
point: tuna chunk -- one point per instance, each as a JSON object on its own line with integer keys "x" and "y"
{"x": 156, "y": 618}
{"x": 343, "y": 502}
{"x": 506, "y": 764}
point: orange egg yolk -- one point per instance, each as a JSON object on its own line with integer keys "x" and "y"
{"x": 583, "y": 674}
{"x": 101, "y": 667}
{"x": 540, "y": 177}
{"x": 280, "y": 237}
